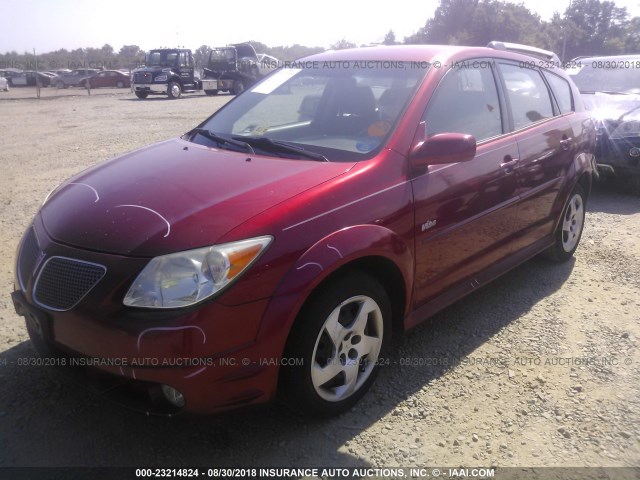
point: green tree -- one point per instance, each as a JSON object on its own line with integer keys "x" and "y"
{"x": 201, "y": 56}
{"x": 390, "y": 38}
{"x": 342, "y": 44}
{"x": 595, "y": 27}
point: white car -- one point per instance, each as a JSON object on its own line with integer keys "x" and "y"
{"x": 4, "y": 84}
{"x": 267, "y": 63}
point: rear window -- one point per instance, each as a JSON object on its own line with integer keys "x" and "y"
{"x": 561, "y": 90}
{"x": 527, "y": 93}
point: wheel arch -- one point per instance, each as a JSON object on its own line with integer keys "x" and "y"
{"x": 371, "y": 249}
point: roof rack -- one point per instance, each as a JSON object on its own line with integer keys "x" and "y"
{"x": 526, "y": 49}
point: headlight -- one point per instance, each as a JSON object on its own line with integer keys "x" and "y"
{"x": 185, "y": 278}
{"x": 160, "y": 78}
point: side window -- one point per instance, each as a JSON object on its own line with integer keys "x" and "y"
{"x": 527, "y": 93}
{"x": 466, "y": 101}
{"x": 561, "y": 90}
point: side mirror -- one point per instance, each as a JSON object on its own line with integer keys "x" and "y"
{"x": 443, "y": 148}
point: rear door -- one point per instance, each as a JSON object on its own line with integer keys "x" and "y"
{"x": 465, "y": 212}
{"x": 545, "y": 145}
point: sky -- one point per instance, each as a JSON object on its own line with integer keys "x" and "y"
{"x": 49, "y": 25}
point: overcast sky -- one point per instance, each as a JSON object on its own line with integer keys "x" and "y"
{"x": 48, "y": 25}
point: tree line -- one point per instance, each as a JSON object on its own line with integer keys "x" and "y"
{"x": 587, "y": 27}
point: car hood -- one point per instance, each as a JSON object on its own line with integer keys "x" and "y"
{"x": 173, "y": 196}
{"x": 605, "y": 106}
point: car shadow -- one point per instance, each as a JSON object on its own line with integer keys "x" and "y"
{"x": 83, "y": 429}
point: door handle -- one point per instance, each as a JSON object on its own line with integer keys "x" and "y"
{"x": 508, "y": 164}
{"x": 565, "y": 143}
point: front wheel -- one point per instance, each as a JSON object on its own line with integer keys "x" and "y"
{"x": 120, "y": 85}
{"x": 142, "y": 95}
{"x": 335, "y": 346}
{"x": 570, "y": 228}
{"x": 174, "y": 90}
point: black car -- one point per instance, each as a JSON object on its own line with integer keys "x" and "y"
{"x": 610, "y": 88}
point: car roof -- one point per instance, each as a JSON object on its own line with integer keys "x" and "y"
{"x": 419, "y": 53}
{"x": 609, "y": 57}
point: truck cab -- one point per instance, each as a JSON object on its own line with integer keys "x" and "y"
{"x": 166, "y": 72}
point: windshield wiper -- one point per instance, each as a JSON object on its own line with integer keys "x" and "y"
{"x": 277, "y": 145}
{"x": 222, "y": 140}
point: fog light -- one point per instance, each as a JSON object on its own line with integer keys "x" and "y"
{"x": 173, "y": 396}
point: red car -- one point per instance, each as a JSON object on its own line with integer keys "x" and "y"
{"x": 107, "y": 78}
{"x": 274, "y": 249}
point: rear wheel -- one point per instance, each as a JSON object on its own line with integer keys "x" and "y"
{"x": 211, "y": 92}
{"x": 238, "y": 87}
{"x": 120, "y": 84}
{"x": 142, "y": 95}
{"x": 174, "y": 90}
{"x": 59, "y": 85}
{"x": 570, "y": 228}
{"x": 334, "y": 349}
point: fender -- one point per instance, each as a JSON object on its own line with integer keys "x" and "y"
{"x": 324, "y": 258}
{"x": 582, "y": 163}
{"x": 341, "y": 248}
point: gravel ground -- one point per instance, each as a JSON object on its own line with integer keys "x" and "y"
{"x": 492, "y": 380}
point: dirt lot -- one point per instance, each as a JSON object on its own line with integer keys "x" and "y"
{"x": 541, "y": 368}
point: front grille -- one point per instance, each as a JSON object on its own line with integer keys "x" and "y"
{"x": 63, "y": 282}
{"x": 28, "y": 256}
{"x": 142, "y": 77}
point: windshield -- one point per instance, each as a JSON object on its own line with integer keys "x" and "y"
{"x": 607, "y": 76}
{"x": 343, "y": 111}
{"x": 161, "y": 59}
{"x": 223, "y": 54}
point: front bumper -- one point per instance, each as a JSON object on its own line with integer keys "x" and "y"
{"x": 210, "y": 354}
{"x": 149, "y": 87}
{"x": 620, "y": 156}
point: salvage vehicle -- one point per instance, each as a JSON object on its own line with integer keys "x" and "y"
{"x": 273, "y": 250}
{"x": 233, "y": 69}
{"x": 73, "y": 78}
{"x": 610, "y": 88}
{"x": 31, "y": 79}
{"x": 167, "y": 71}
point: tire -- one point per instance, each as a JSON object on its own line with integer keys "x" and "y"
{"x": 332, "y": 371}
{"x": 6, "y": 88}
{"x": 120, "y": 85}
{"x": 569, "y": 231}
{"x": 141, "y": 95}
{"x": 42, "y": 348}
{"x": 238, "y": 87}
{"x": 211, "y": 92}
{"x": 174, "y": 90}
{"x": 60, "y": 85}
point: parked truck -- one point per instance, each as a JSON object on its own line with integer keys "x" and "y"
{"x": 171, "y": 72}
{"x": 231, "y": 69}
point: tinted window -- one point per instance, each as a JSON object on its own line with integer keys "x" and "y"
{"x": 528, "y": 95}
{"x": 466, "y": 101}
{"x": 562, "y": 91}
